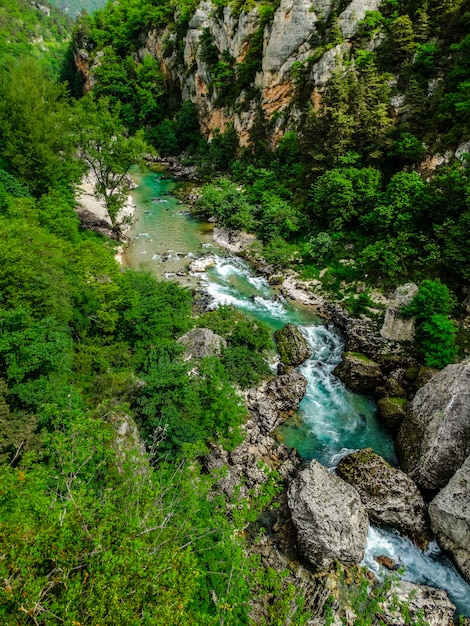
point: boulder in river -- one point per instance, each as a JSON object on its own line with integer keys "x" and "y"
{"x": 202, "y": 342}
{"x": 202, "y": 264}
{"x": 393, "y": 411}
{"x": 450, "y": 518}
{"x": 388, "y": 494}
{"x": 358, "y": 372}
{"x": 434, "y": 439}
{"x": 330, "y": 520}
{"x": 272, "y": 403}
{"x": 292, "y": 346}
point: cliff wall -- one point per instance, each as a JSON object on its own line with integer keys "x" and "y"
{"x": 295, "y": 46}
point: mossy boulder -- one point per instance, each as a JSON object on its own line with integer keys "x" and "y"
{"x": 393, "y": 411}
{"x": 389, "y": 495}
{"x": 358, "y": 372}
{"x": 391, "y": 389}
{"x": 291, "y": 344}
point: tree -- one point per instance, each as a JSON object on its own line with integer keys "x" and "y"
{"x": 101, "y": 140}
{"x": 435, "y": 331}
{"x": 34, "y": 138}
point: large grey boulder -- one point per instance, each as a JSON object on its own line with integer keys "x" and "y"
{"x": 330, "y": 520}
{"x": 272, "y": 403}
{"x": 291, "y": 345}
{"x": 450, "y": 517}
{"x": 202, "y": 342}
{"x": 389, "y": 495}
{"x": 434, "y": 438}
{"x": 358, "y": 372}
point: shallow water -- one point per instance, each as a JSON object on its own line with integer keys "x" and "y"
{"x": 164, "y": 237}
{"x": 331, "y": 421}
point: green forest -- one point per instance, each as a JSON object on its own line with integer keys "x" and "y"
{"x": 97, "y": 531}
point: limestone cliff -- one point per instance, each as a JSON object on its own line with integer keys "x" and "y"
{"x": 279, "y": 51}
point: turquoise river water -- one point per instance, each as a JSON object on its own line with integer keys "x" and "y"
{"x": 331, "y": 421}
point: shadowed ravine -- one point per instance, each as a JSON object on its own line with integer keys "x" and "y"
{"x": 331, "y": 421}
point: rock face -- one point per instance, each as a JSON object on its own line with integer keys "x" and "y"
{"x": 288, "y": 41}
{"x": 358, "y": 372}
{"x": 388, "y": 494}
{"x": 202, "y": 342}
{"x": 291, "y": 345}
{"x": 434, "y": 439}
{"x": 329, "y": 517}
{"x": 395, "y": 327}
{"x": 129, "y": 447}
{"x": 275, "y": 401}
{"x": 450, "y": 518}
{"x": 424, "y": 605}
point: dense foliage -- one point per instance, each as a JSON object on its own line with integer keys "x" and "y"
{"x": 96, "y": 527}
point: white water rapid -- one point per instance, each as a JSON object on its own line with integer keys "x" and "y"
{"x": 332, "y": 421}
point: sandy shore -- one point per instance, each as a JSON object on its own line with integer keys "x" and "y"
{"x": 88, "y": 201}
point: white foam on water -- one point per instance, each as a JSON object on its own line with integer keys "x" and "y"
{"x": 336, "y": 458}
{"x": 428, "y": 567}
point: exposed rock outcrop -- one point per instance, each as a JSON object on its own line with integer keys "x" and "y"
{"x": 358, "y": 372}
{"x": 268, "y": 406}
{"x": 292, "y": 345}
{"x": 129, "y": 447}
{"x": 202, "y": 342}
{"x": 434, "y": 439}
{"x": 426, "y": 604}
{"x": 275, "y": 401}
{"x": 396, "y": 327}
{"x": 234, "y": 240}
{"x": 329, "y": 517}
{"x": 389, "y": 495}
{"x": 450, "y": 518}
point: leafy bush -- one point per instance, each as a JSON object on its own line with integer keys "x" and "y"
{"x": 436, "y": 333}
{"x": 244, "y": 367}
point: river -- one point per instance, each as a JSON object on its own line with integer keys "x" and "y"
{"x": 331, "y": 420}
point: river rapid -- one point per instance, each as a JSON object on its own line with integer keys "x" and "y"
{"x": 331, "y": 421}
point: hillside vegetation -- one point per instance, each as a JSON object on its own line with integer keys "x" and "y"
{"x": 370, "y": 177}
{"x": 107, "y": 515}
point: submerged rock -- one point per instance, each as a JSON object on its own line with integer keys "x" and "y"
{"x": 291, "y": 345}
{"x": 358, "y": 372}
{"x": 202, "y": 342}
{"x": 450, "y": 518}
{"x": 388, "y": 494}
{"x": 330, "y": 520}
{"x": 434, "y": 439}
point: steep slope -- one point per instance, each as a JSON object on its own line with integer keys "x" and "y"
{"x": 273, "y": 61}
